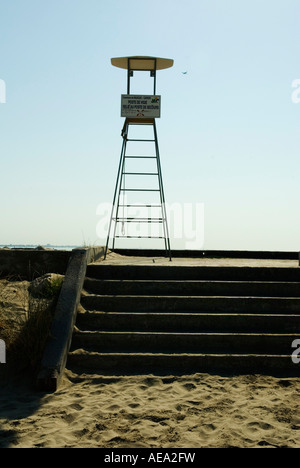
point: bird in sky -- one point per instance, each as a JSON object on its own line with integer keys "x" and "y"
{"x": 184, "y": 73}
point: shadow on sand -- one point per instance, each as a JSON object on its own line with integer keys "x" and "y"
{"x": 19, "y": 399}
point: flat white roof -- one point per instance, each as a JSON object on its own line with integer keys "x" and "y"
{"x": 142, "y": 63}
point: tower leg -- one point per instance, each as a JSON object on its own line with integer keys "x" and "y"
{"x": 118, "y": 184}
{"x": 162, "y": 195}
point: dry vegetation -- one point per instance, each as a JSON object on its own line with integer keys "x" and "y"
{"x": 26, "y": 311}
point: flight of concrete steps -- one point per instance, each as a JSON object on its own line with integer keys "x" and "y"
{"x": 164, "y": 320}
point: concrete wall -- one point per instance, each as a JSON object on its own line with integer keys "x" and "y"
{"x": 31, "y": 263}
{"x": 59, "y": 340}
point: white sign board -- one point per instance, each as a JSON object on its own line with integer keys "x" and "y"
{"x": 2, "y": 352}
{"x": 140, "y": 107}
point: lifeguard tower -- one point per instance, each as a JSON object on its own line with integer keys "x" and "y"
{"x": 138, "y": 209}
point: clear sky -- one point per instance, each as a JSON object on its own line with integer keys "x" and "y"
{"x": 229, "y": 133}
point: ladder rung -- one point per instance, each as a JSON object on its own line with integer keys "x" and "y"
{"x": 141, "y": 237}
{"x": 134, "y": 139}
{"x": 141, "y": 173}
{"x": 140, "y": 206}
{"x": 140, "y": 157}
{"x": 139, "y": 220}
{"x": 140, "y": 190}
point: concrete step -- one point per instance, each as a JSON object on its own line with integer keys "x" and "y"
{"x": 178, "y": 272}
{"x": 192, "y": 288}
{"x": 225, "y": 304}
{"x": 184, "y": 319}
{"x": 154, "y": 342}
{"x": 180, "y": 364}
{"x": 188, "y": 322}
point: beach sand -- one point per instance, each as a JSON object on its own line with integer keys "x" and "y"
{"x": 194, "y": 411}
{"x": 144, "y": 411}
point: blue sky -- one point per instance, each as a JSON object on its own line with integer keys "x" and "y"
{"x": 229, "y": 133}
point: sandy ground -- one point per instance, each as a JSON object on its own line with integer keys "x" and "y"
{"x": 193, "y": 411}
{"x": 117, "y": 259}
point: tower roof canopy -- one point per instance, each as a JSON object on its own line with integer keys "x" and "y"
{"x": 142, "y": 63}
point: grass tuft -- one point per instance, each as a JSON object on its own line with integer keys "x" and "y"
{"x": 25, "y": 341}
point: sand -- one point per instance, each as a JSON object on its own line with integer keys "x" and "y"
{"x": 192, "y": 411}
{"x": 114, "y": 258}
{"x": 195, "y": 411}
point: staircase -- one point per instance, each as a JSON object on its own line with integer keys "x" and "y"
{"x": 162, "y": 320}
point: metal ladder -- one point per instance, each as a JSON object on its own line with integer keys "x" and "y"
{"x": 120, "y": 213}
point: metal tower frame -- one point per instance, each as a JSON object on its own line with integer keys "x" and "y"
{"x": 151, "y": 64}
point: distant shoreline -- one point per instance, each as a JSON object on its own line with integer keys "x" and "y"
{"x": 35, "y": 246}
